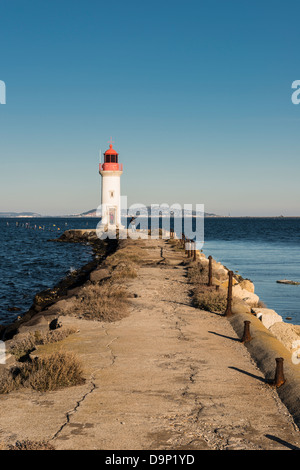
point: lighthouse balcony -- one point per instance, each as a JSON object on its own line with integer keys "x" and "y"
{"x": 111, "y": 167}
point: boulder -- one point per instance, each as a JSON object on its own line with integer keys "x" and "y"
{"x": 247, "y": 285}
{"x": 243, "y": 294}
{"x": 221, "y": 273}
{"x": 204, "y": 262}
{"x": 267, "y": 316}
{"x": 286, "y": 334}
{"x": 224, "y": 284}
{"x": 99, "y": 274}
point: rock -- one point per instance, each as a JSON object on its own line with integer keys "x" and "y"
{"x": 239, "y": 306}
{"x": 247, "y": 285}
{"x": 200, "y": 255}
{"x": 267, "y": 316}
{"x": 243, "y": 294}
{"x": 286, "y": 334}
{"x": 38, "y": 322}
{"x": 99, "y": 274}
{"x": 55, "y": 324}
{"x": 224, "y": 284}
{"x": 204, "y": 262}
{"x": 285, "y": 281}
{"x": 221, "y": 273}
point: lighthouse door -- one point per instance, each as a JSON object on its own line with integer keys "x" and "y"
{"x": 112, "y": 216}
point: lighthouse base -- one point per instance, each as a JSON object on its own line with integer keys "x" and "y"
{"x": 109, "y": 231}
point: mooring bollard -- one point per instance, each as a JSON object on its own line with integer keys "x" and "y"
{"x": 246, "y": 336}
{"x": 186, "y": 246}
{"x": 228, "y": 311}
{"x": 209, "y": 271}
{"x": 182, "y": 240}
{"x": 279, "y": 375}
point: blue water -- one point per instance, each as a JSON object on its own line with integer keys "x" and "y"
{"x": 29, "y": 263}
{"x": 263, "y": 250}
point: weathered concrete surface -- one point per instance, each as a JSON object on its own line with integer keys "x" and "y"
{"x": 168, "y": 376}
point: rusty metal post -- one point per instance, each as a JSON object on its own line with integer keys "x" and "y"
{"x": 186, "y": 246}
{"x": 195, "y": 252}
{"x": 228, "y": 311}
{"x": 246, "y": 336}
{"x": 279, "y": 375}
{"x": 182, "y": 240}
{"x": 209, "y": 271}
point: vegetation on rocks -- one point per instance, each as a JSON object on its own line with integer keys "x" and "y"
{"x": 22, "y": 347}
{"x": 43, "y": 374}
{"x": 30, "y": 445}
{"x": 198, "y": 274}
{"x": 207, "y": 298}
{"x": 107, "y": 302}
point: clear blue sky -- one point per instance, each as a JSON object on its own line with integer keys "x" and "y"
{"x": 196, "y": 95}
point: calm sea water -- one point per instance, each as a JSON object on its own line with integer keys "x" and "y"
{"x": 29, "y": 263}
{"x": 263, "y": 250}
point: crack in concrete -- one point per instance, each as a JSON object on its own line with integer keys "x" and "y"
{"x": 70, "y": 413}
{"x": 113, "y": 356}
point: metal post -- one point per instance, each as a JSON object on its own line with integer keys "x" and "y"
{"x": 186, "y": 244}
{"x": 228, "y": 311}
{"x": 209, "y": 271}
{"x": 246, "y": 336}
{"x": 279, "y": 375}
{"x": 195, "y": 252}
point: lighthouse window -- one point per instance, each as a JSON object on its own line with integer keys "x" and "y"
{"x": 113, "y": 159}
{"x": 111, "y": 193}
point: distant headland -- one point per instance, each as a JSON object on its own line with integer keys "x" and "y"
{"x": 93, "y": 213}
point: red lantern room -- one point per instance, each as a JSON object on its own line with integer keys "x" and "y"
{"x": 111, "y": 161}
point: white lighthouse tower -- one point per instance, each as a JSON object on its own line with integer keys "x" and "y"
{"x": 111, "y": 171}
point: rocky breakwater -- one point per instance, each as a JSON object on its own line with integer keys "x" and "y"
{"x": 247, "y": 302}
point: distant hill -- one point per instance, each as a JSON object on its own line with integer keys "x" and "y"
{"x": 19, "y": 214}
{"x": 92, "y": 213}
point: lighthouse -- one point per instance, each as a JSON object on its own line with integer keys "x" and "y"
{"x": 111, "y": 171}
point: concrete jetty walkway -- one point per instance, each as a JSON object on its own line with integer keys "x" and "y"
{"x": 168, "y": 376}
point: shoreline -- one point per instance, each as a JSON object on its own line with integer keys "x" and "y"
{"x": 63, "y": 288}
